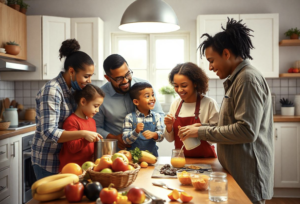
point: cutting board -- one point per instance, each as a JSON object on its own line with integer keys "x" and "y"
{"x": 157, "y": 174}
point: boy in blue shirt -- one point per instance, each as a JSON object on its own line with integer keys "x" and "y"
{"x": 143, "y": 128}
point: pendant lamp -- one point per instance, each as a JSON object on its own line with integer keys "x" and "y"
{"x": 149, "y": 16}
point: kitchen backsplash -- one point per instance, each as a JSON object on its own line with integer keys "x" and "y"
{"x": 24, "y": 92}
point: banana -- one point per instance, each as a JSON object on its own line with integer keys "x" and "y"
{"x": 147, "y": 157}
{"x": 56, "y": 185}
{"x": 49, "y": 196}
{"x": 48, "y": 179}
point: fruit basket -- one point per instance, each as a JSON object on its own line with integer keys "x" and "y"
{"x": 120, "y": 179}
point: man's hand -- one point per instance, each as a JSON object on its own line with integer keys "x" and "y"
{"x": 149, "y": 135}
{"x": 139, "y": 127}
{"x": 189, "y": 131}
{"x": 121, "y": 143}
{"x": 169, "y": 120}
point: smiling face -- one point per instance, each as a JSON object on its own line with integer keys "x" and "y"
{"x": 123, "y": 86}
{"x": 185, "y": 88}
{"x": 90, "y": 108}
{"x": 220, "y": 64}
{"x": 146, "y": 100}
{"x": 83, "y": 77}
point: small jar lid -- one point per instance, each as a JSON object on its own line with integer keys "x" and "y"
{"x": 11, "y": 109}
{"x": 218, "y": 174}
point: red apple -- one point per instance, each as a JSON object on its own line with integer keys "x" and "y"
{"x": 136, "y": 195}
{"x": 74, "y": 192}
{"x": 119, "y": 165}
{"x": 295, "y": 70}
{"x": 127, "y": 154}
{"x": 290, "y": 70}
{"x": 105, "y": 162}
{"x": 108, "y": 195}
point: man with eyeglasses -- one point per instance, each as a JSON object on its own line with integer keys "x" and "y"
{"x": 117, "y": 102}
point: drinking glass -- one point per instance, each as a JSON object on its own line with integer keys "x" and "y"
{"x": 178, "y": 159}
{"x": 218, "y": 187}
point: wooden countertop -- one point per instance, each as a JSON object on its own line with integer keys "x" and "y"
{"x": 286, "y": 118}
{"x": 10, "y": 133}
{"x": 144, "y": 180}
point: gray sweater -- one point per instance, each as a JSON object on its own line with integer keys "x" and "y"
{"x": 245, "y": 132}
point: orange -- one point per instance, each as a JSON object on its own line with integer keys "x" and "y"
{"x": 174, "y": 195}
{"x": 71, "y": 168}
{"x": 185, "y": 198}
{"x": 97, "y": 161}
{"x": 144, "y": 164}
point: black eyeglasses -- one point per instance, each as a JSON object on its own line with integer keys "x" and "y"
{"x": 119, "y": 80}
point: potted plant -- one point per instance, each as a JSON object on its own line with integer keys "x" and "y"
{"x": 293, "y": 33}
{"x": 12, "y": 48}
{"x": 169, "y": 93}
{"x": 23, "y": 7}
{"x": 287, "y": 107}
{"x": 15, "y": 4}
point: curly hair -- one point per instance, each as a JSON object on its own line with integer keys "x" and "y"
{"x": 236, "y": 38}
{"x": 89, "y": 92}
{"x": 194, "y": 73}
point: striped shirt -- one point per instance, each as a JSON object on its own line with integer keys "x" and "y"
{"x": 130, "y": 135}
{"x": 54, "y": 104}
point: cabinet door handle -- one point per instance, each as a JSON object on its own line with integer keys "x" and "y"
{"x": 2, "y": 188}
{"x": 14, "y": 150}
{"x": 276, "y": 134}
{"x": 2, "y": 152}
{"x": 45, "y": 69}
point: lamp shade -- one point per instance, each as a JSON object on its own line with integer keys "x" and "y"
{"x": 149, "y": 16}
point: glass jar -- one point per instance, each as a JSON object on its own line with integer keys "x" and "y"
{"x": 178, "y": 159}
{"x": 218, "y": 187}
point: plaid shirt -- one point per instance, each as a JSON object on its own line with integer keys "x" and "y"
{"x": 54, "y": 103}
{"x": 129, "y": 135}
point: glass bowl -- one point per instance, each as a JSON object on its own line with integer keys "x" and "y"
{"x": 184, "y": 176}
{"x": 199, "y": 181}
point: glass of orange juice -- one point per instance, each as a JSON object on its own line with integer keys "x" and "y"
{"x": 178, "y": 159}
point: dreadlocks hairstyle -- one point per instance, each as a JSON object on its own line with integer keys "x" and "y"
{"x": 236, "y": 38}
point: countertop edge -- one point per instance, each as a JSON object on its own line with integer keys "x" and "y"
{"x": 10, "y": 133}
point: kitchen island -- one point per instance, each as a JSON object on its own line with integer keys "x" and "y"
{"x": 144, "y": 180}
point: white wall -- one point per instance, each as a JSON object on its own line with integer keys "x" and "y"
{"x": 111, "y": 11}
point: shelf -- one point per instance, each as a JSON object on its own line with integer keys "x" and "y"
{"x": 289, "y": 75}
{"x": 289, "y": 42}
{"x": 11, "y": 56}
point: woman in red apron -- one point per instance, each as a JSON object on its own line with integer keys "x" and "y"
{"x": 190, "y": 82}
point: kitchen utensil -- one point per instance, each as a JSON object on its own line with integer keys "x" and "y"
{"x": 13, "y": 103}
{"x": 20, "y": 107}
{"x": 6, "y": 103}
{"x": 11, "y": 114}
{"x": 4, "y": 125}
{"x": 105, "y": 146}
{"x": 162, "y": 184}
{"x": 154, "y": 198}
{"x": 30, "y": 114}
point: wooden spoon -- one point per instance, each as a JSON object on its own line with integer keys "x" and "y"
{"x": 2, "y": 109}
{"x": 6, "y": 103}
{"x": 13, "y": 103}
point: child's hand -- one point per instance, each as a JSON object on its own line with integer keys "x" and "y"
{"x": 139, "y": 127}
{"x": 169, "y": 120}
{"x": 149, "y": 135}
{"x": 91, "y": 136}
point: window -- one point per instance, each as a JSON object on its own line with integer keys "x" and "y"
{"x": 152, "y": 56}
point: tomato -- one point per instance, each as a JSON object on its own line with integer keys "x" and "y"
{"x": 109, "y": 195}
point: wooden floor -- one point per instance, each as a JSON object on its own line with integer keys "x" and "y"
{"x": 283, "y": 201}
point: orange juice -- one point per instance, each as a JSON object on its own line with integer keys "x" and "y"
{"x": 178, "y": 162}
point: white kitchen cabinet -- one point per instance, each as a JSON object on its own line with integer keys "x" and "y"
{"x": 4, "y": 153}
{"x": 265, "y": 39}
{"x": 5, "y": 187}
{"x": 89, "y": 33}
{"x": 44, "y": 37}
{"x": 287, "y": 155}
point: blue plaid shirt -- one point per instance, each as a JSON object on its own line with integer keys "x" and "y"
{"x": 130, "y": 135}
{"x": 54, "y": 103}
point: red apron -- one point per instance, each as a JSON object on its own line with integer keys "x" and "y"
{"x": 204, "y": 149}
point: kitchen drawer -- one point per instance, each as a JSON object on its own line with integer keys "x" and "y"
{"x": 4, "y": 183}
{"x": 6, "y": 201}
{"x": 4, "y": 153}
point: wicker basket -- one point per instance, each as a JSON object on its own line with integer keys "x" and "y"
{"x": 121, "y": 179}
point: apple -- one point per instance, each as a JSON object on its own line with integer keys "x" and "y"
{"x": 136, "y": 195}
{"x": 290, "y": 70}
{"x": 97, "y": 161}
{"x": 74, "y": 192}
{"x": 87, "y": 165}
{"x": 295, "y": 70}
{"x": 119, "y": 165}
{"x": 127, "y": 154}
{"x": 105, "y": 162}
{"x": 116, "y": 155}
{"x": 92, "y": 190}
{"x": 109, "y": 195}
{"x": 106, "y": 170}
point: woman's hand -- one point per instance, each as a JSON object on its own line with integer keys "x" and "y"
{"x": 189, "y": 131}
{"x": 91, "y": 136}
{"x": 169, "y": 120}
